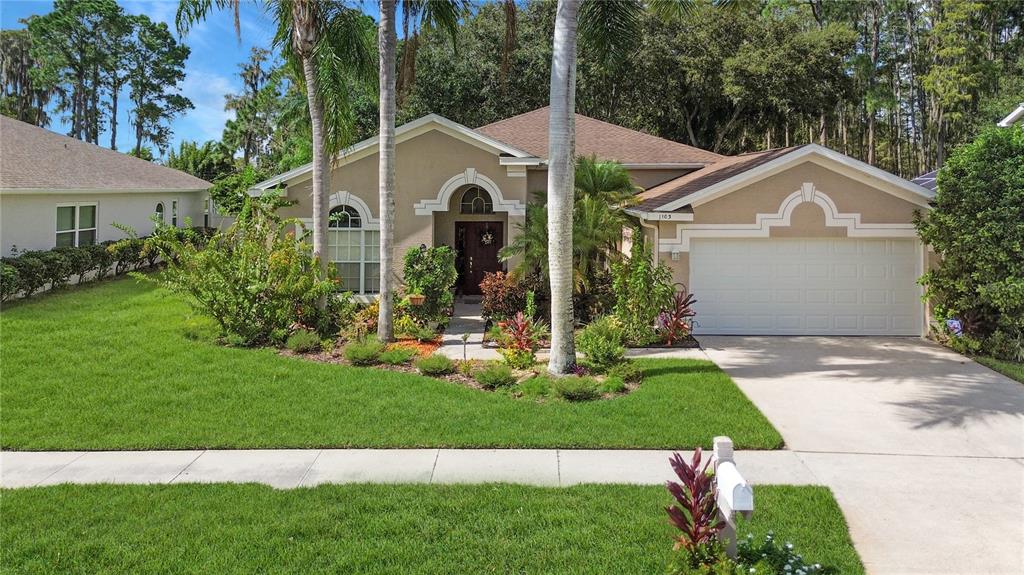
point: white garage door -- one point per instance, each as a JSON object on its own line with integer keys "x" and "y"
{"x": 839, "y": 286}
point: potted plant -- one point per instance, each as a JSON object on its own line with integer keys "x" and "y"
{"x": 415, "y": 294}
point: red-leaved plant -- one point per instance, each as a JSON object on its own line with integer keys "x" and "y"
{"x": 519, "y": 333}
{"x": 696, "y": 511}
{"x": 675, "y": 320}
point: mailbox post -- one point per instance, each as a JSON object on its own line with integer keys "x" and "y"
{"x": 735, "y": 495}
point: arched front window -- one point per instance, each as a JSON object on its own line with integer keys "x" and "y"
{"x": 159, "y": 212}
{"x": 476, "y": 201}
{"x": 354, "y": 249}
{"x": 345, "y": 217}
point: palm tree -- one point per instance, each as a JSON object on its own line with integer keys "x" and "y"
{"x": 440, "y": 13}
{"x": 328, "y": 44}
{"x": 610, "y": 29}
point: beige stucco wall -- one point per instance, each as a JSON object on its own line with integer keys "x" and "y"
{"x": 765, "y": 196}
{"x": 29, "y": 221}
{"x": 422, "y": 166}
{"x": 807, "y": 219}
{"x": 537, "y": 179}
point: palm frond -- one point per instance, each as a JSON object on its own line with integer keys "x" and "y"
{"x": 610, "y": 29}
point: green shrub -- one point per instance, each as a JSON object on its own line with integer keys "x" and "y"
{"x": 127, "y": 254}
{"x": 404, "y": 325}
{"x": 364, "y": 351}
{"x": 10, "y": 283}
{"x": 102, "y": 259}
{"x": 518, "y": 358}
{"x": 255, "y": 279}
{"x": 494, "y": 375}
{"x": 577, "y": 388}
{"x": 432, "y": 272}
{"x": 975, "y": 226}
{"x": 502, "y": 296}
{"x": 435, "y": 365}
{"x": 397, "y": 355}
{"x": 642, "y": 289}
{"x": 31, "y": 272}
{"x": 535, "y": 388}
{"x": 57, "y": 266}
{"x": 79, "y": 260}
{"x": 627, "y": 371}
{"x": 613, "y": 385}
{"x": 602, "y": 343}
{"x": 303, "y": 341}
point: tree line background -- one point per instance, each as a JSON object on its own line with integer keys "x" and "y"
{"x": 896, "y": 83}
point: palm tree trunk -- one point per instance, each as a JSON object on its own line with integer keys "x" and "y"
{"x": 386, "y": 42}
{"x": 304, "y": 39}
{"x": 561, "y": 139}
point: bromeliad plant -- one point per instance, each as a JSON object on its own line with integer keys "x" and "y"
{"x": 696, "y": 511}
{"x": 519, "y": 342}
{"x": 675, "y": 321}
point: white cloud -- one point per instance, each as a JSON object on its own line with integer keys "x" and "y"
{"x": 207, "y": 91}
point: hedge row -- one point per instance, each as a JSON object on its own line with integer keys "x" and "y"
{"x": 31, "y": 271}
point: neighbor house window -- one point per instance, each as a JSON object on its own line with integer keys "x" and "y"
{"x": 476, "y": 201}
{"x": 206, "y": 212}
{"x": 159, "y": 211}
{"x": 174, "y": 213}
{"x": 76, "y": 225}
{"x": 354, "y": 250}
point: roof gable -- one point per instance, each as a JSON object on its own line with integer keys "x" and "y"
{"x": 34, "y": 159}
{"x": 594, "y": 137}
{"x": 738, "y": 171}
{"x": 405, "y": 132}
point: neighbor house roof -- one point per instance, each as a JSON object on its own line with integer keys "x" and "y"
{"x": 1014, "y": 117}
{"x": 36, "y": 159}
{"x": 529, "y": 132}
{"x": 694, "y": 182}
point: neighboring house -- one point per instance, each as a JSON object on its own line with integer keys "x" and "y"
{"x": 59, "y": 191}
{"x": 1014, "y": 117}
{"x": 801, "y": 240}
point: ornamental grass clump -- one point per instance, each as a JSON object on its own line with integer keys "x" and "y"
{"x": 365, "y": 351}
{"x": 397, "y": 355}
{"x": 571, "y": 388}
{"x": 436, "y": 365}
{"x": 303, "y": 341}
{"x": 494, "y": 376}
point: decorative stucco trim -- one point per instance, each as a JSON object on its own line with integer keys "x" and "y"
{"x": 470, "y": 176}
{"x": 763, "y": 223}
{"x": 346, "y": 198}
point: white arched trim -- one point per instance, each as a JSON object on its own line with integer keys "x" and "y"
{"x": 346, "y": 198}
{"x": 470, "y": 176}
{"x": 763, "y": 223}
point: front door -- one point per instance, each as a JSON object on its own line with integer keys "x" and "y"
{"x": 477, "y": 244}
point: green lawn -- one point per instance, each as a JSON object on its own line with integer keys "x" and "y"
{"x": 1010, "y": 369}
{"x": 109, "y": 367}
{"x": 372, "y": 529}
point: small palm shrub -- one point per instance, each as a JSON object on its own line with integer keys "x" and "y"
{"x": 397, "y": 355}
{"x": 435, "y": 365}
{"x": 303, "y": 341}
{"x": 577, "y": 388}
{"x": 364, "y": 351}
{"x": 627, "y": 371}
{"x": 495, "y": 376}
{"x": 602, "y": 343}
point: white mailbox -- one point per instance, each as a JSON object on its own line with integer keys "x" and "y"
{"x": 735, "y": 495}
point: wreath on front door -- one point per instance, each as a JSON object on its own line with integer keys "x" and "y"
{"x": 486, "y": 238}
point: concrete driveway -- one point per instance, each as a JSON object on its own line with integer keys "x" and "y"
{"x": 923, "y": 448}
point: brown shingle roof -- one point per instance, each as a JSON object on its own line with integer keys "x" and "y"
{"x": 694, "y": 182}
{"x": 36, "y": 158}
{"x": 529, "y": 132}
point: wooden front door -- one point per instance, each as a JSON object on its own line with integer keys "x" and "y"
{"x": 477, "y": 244}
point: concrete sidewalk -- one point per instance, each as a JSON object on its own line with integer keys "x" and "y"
{"x": 288, "y": 468}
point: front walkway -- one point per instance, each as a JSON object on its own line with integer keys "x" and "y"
{"x": 466, "y": 320}
{"x": 923, "y": 448}
{"x": 288, "y": 468}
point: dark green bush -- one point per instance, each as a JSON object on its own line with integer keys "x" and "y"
{"x": 397, "y": 355}
{"x": 9, "y": 281}
{"x": 602, "y": 343}
{"x": 976, "y": 227}
{"x": 79, "y": 260}
{"x": 494, "y": 376}
{"x": 627, "y": 371}
{"x": 573, "y": 388}
{"x": 303, "y": 341}
{"x": 127, "y": 254}
{"x": 364, "y": 351}
{"x": 435, "y": 365}
{"x": 102, "y": 259}
{"x": 31, "y": 272}
{"x": 431, "y": 272}
{"x": 58, "y": 268}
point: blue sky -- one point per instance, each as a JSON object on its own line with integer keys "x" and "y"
{"x": 211, "y": 70}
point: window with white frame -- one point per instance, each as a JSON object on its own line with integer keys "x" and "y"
{"x": 476, "y": 201}
{"x": 159, "y": 211}
{"x": 354, "y": 250}
{"x": 76, "y": 225}
{"x": 206, "y": 212}
{"x": 174, "y": 213}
